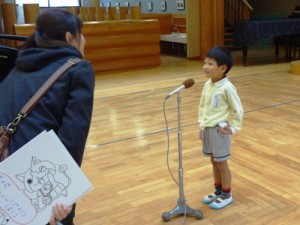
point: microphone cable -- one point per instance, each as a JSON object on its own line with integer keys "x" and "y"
{"x": 168, "y": 153}
{"x": 168, "y": 142}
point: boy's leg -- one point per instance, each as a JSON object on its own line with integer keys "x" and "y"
{"x": 221, "y": 151}
{"x": 225, "y": 198}
{"x": 218, "y": 184}
{"x": 216, "y": 171}
{"x": 225, "y": 174}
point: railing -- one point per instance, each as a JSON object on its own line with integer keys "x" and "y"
{"x": 237, "y": 10}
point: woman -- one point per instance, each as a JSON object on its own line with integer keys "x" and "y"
{"x": 67, "y": 106}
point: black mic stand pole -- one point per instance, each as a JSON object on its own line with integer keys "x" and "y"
{"x": 182, "y": 208}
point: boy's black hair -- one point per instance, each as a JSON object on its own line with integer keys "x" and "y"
{"x": 222, "y": 56}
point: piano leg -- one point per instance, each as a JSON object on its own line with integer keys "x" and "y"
{"x": 245, "y": 50}
{"x": 277, "y": 42}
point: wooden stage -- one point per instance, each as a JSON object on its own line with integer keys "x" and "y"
{"x": 126, "y": 152}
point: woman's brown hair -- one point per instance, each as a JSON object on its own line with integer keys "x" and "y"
{"x": 51, "y": 28}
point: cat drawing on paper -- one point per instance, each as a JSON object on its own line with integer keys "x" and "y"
{"x": 43, "y": 183}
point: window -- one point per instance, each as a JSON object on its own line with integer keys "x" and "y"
{"x": 51, "y": 3}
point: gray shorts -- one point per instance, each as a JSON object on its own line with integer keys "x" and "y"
{"x": 215, "y": 144}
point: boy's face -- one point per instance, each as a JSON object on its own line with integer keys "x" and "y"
{"x": 212, "y": 70}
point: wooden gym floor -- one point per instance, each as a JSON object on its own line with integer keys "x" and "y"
{"x": 126, "y": 152}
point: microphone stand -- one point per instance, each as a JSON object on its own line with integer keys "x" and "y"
{"x": 182, "y": 208}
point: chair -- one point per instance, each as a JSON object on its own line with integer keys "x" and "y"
{"x": 8, "y": 55}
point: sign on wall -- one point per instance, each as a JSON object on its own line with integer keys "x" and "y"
{"x": 180, "y": 4}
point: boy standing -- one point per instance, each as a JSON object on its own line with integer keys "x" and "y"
{"x": 219, "y": 101}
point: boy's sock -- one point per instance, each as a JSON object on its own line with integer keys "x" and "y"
{"x": 225, "y": 193}
{"x": 213, "y": 196}
{"x": 218, "y": 188}
{"x": 224, "y": 200}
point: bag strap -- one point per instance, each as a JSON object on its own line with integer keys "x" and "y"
{"x": 46, "y": 86}
{"x": 40, "y": 93}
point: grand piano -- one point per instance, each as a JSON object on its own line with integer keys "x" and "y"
{"x": 249, "y": 32}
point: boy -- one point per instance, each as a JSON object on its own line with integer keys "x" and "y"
{"x": 218, "y": 101}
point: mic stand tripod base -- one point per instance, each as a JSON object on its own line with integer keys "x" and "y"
{"x": 181, "y": 209}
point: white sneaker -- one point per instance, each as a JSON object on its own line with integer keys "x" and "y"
{"x": 210, "y": 198}
{"x": 220, "y": 202}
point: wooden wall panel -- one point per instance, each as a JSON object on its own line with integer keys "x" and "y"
{"x": 207, "y": 25}
{"x": 117, "y": 45}
{"x": 100, "y": 13}
{"x": 111, "y": 28}
{"x": 103, "y": 42}
{"x": 9, "y": 15}
{"x": 135, "y": 13}
{"x": 121, "y": 53}
{"x": 127, "y": 63}
{"x": 94, "y": 3}
{"x": 168, "y": 21}
{"x": 74, "y": 10}
{"x": 1, "y": 20}
{"x": 211, "y": 25}
{"x": 114, "y": 45}
{"x": 165, "y": 21}
{"x": 123, "y": 12}
{"x": 179, "y": 21}
{"x": 24, "y": 29}
{"x": 111, "y": 13}
{"x": 193, "y": 29}
{"x": 89, "y": 13}
{"x": 220, "y": 22}
{"x": 93, "y": 15}
{"x": 31, "y": 11}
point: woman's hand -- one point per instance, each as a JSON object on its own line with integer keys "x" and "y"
{"x": 59, "y": 212}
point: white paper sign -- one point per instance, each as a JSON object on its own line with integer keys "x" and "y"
{"x": 36, "y": 177}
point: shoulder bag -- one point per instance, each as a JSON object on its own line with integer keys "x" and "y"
{"x": 7, "y": 131}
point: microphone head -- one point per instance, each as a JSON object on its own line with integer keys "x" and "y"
{"x": 188, "y": 83}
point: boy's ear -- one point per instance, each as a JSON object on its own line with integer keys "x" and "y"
{"x": 224, "y": 68}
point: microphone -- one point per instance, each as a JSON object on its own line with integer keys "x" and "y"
{"x": 186, "y": 84}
